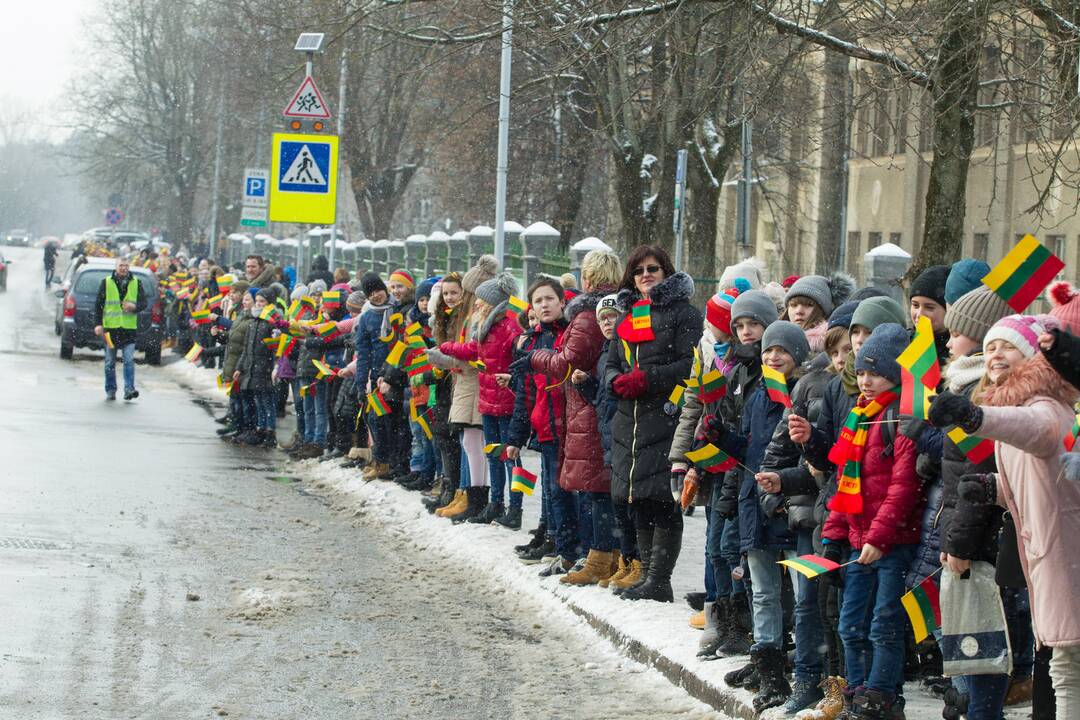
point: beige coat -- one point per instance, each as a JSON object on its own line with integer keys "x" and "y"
{"x": 464, "y": 402}
{"x": 1029, "y": 422}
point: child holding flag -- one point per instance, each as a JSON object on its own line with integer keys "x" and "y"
{"x": 393, "y": 380}
{"x": 874, "y": 523}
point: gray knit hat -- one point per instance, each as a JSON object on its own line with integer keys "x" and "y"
{"x": 316, "y": 287}
{"x": 878, "y": 354}
{"x": 485, "y": 269}
{"x": 497, "y": 290}
{"x": 756, "y": 305}
{"x": 974, "y": 313}
{"x": 788, "y": 336}
{"x": 827, "y": 292}
{"x": 877, "y": 311}
{"x": 355, "y": 301}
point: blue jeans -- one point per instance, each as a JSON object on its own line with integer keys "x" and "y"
{"x": 423, "y": 455}
{"x": 497, "y": 430}
{"x": 128, "y": 354}
{"x": 602, "y": 520}
{"x": 266, "y": 408}
{"x": 562, "y": 517}
{"x": 986, "y": 695}
{"x": 315, "y": 419}
{"x": 872, "y": 620}
{"x": 298, "y": 402}
{"x": 717, "y": 583}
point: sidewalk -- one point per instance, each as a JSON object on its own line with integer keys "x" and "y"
{"x": 656, "y": 634}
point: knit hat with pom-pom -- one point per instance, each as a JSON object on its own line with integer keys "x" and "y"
{"x": 718, "y": 311}
{"x": 1022, "y": 332}
{"x": 484, "y": 269}
{"x": 826, "y": 292}
{"x": 1065, "y": 300}
{"x": 497, "y": 290}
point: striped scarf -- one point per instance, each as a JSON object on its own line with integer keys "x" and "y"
{"x": 847, "y": 453}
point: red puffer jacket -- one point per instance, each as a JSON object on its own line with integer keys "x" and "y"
{"x": 892, "y": 498}
{"x": 581, "y": 454}
{"x": 496, "y": 349}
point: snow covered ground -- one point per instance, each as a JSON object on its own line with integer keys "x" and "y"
{"x": 654, "y": 633}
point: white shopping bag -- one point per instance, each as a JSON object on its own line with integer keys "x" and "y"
{"x": 974, "y": 636}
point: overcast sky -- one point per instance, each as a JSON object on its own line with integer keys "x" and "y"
{"x": 40, "y": 50}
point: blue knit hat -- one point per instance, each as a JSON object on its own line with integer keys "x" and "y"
{"x": 423, "y": 290}
{"x": 841, "y": 316}
{"x": 878, "y": 354}
{"x": 965, "y": 276}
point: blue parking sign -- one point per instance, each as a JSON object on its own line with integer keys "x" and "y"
{"x": 256, "y": 187}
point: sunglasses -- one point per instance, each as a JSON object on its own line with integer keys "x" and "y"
{"x": 651, "y": 269}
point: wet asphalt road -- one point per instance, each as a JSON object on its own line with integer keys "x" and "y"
{"x": 148, "y": 570}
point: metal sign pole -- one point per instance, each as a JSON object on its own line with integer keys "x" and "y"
{"x": 504, "y": 131}
{"x": 678, "y": 216}
{"x": 340, "y": 128}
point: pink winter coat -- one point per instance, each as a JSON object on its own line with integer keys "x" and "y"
{"x": 892, "y": 498}
{"x": 495, "y": 347}
{"x": 1029, "y": 421}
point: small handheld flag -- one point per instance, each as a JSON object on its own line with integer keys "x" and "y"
{"x": 215, "y": 302}
{"x": 523, "y": 481}
{"x": 678, "y": 396}
{"x": 636, "y": 327}
{"x": 811, "y": 565}
{"x": 201, "y": 317}
{"x": 1023, "y": 273}
{"x": 711, "y": 459}
{"x": 923, "y": 606}
{"x": 323, "y": 369}
{"x": 418, "y": 366}
{"x": 108, "y": 341}
{"x": 331, "y": 298}
{"x": 495, "y": 450}
{"x": 396, "y": 353}
{"x": 194, "y": 353}
{"x": 326, "y": 329}
{"x": 423, "y": 423}
{"x": 479, "y": 365}
{"x": 776, "y": 386}
{"x": 378, "y": 404}
{"x": 1070, "y": 439}
{"x": 515, "y": 306}
{"x": 713, "y": 387}
{"x": 919, "y": 371}
{"x": 286, "y": 344}
{"x": 976, "y": 449}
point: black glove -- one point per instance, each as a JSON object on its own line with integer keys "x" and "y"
{"x": 912, "y": 427}
{"x": 978, "y": 488}
{"x": 949, "y": 408}
{"x": 313, "y": 343}
{"x": 715, "y": 429}
{"x": 834, "y": 551}
{"x": 523, "y": 363}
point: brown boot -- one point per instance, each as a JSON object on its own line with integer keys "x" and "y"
{"x": 621, "y": 568}
{"x": 597, "y": 567}
{"x": 376, "y": 470}
{"x": 456, "y": 505}
{"x": 697, "y": 620}
{"x": 631, "y": 577}
{"x": 1019, "y": 692}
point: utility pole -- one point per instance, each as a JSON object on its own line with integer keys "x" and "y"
{"x": 746, "y": 184}
{"x": 340, "y": 129}
{"x": 216, "y": 186}
{"x": 504, "y": 130}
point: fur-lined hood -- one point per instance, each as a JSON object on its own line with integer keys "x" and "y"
{"x": 585, "y": 301}
{"x": 963, "y": 371}
{"x": 1033, "y": 378}
{"x": 678, "y": 287}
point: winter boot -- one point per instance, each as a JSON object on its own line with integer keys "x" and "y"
{"x": 696, "y": 601}
{"x": 869, "y": 704}
{"x": 446, "y": 495}
{"x": 456, "y": 503}
{"x": 645, "y": 546}
{"x": 745, "y": 677}
{"x": 376, "y": 470}
{"x": 491, "y": 512}
{"x": 597, "y": 568}
{"x": 956, "y": 704}
{"x": 405, "y": 478}
{"x": 710, "y": 638}
{"x": 475, "y": 501}
{"x": 270, "y": 439}
{"x": 665, "y": 552}
{"x": 538, "y": 534}
{"x": 831, "y": 705}
{"x": 774, "y": 689}
{"x": 511, "y": 519}
{"x": 621, "y": 567}
{"x": 634, "y": 574}
{"x": 804, "y": 694}
{"x": 422, "y": 483}
{"x": 311, "y": 450}
{"x": 736, "y": 637}
{"x": 332, "y": 454}
{"x": 558, "y": 566}
{"x": 537, "y": 554}
{"x": 227, "y": 428}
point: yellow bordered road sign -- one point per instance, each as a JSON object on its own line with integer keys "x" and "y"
{"x": 303, "y": 178}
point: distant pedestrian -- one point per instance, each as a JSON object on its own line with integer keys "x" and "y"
{"x": 120, "y": 298}
{"x": 50, "y": 263}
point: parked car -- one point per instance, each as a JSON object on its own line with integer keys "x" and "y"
{"x": 3, "y": 272}
{"x": 78, "y": 311}
{"x": 18, "y": 238}
{"x": 65, "y": 285}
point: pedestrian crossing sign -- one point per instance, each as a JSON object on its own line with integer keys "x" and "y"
{"x": 303, "y": 178}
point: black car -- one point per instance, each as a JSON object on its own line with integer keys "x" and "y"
{"x": 78, "y": 311}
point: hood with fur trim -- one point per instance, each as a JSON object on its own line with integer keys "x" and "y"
{"x": 964, "y": 371}
{"x": 669, "y": 291}
{"x": 1032, "y": 378}
{"x": 583, "y": 302}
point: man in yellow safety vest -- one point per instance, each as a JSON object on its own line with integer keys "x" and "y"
{"x": 116, "y": 320}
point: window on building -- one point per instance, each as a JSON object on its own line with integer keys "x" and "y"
{"x": 895, "y": 239}
{"x": 882, "y": 122}
{"x": 980, "y": 246}
{"x": 854, "y": 254}
{"x": 1059, "y": 245}
{"x": 903, "y": 107}
{"x": 872, "y": 240}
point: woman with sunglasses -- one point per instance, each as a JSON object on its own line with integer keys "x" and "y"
{"x": 653, "y": 352}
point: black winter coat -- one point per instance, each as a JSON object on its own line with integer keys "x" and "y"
{"x": 256, "y": 361}
{"x": 641, "y": 430}
{"x": 1064, "y": 356}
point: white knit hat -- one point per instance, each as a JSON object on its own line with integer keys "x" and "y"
{"x": 1021, "y": 331}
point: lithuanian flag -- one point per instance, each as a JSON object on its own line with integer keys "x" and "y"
{"x": 636, "y": 327}
{"x": 285, "y": 346}
{"x": 378, "y": 404}
{"x": 323, "y": 370}
{"x": 201, "y": 317}
{"x": 1023, "y": 273}
{"x": 515, "y": 306}
{"x": 307, "y": 307}
{"x": 811, "y": 565}
{"x": 396, "y": 353}
{"x": 326, "y": 329}
{"x": 975, "y": 448}
{"x": 194, "y": 353}
{"x": 924, "y": 608}
{"x": 713, "y": 387}
{"x": 678, "y": 396}
{"x": 1070, "y": 439}
{"x": 522, "y": 481}
{"x": 423, "y": 423}
{"x": 776, "y": 386}
{"x": 919, "y": 371}
{"x": 268, "y": 313}
{"x": 331, "y": 298}
{"x": 479, "y": 365}
{"x": 271, "y": 343}
{"x": 711, "y": 459}
{"x": 215, "y": 302}
{"x": 225, "y": 283}
{"x": 418, "y": 366}
{"x": 495, "y": 450}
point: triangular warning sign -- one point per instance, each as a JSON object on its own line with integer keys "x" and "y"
{"x": 307, "y": 102}
{"x": 303, "y": 170}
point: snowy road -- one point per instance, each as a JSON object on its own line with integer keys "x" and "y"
{"x": 149, "y": 571}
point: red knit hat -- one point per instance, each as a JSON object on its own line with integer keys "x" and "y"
{"x": 789, "y": 281}
{"x": 718, "y": 310}
{"x": 1065, "y": 303}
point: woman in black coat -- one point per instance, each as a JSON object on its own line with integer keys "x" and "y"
{"x": 641, "y": 373}
{"x": 254, "y": 368}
